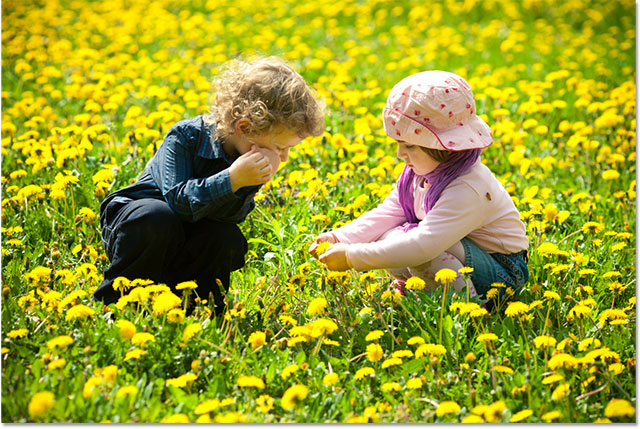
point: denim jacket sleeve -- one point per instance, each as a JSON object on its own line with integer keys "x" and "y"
{"x": 173, "y": 172}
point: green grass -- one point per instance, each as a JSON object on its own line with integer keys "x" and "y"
{"x": 70, "y": 67}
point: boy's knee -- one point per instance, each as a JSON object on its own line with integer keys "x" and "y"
{"x": 156, "y": 224}
{"x": 226, "y": 235}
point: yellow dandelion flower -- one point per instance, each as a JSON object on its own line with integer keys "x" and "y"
{"x": 392, "y": 386}
{"x": 562, "y": 360}
{"x": 175, "y": 315}
{"x": 317, "y": 306}
{"x": 447, "y": 407}
{"x": 322, "y": 248}
{"x": 177, "y": 418}
{"x": 322, "y": 327}
{"x": 18, "y": 333}
{"x": 521, "y": 415}
{"x": 330, "y": 379}
{"x": 431, "y": 349}
{"x": 503, "y": 369}
{"x": 57, "y": 364}
{"x": 551, "y": 295}
{"x": 544, "y": 341}
{"x": 186, "y": 285}
{"x": 550, "y": 379}
{"x": 293, "y": 395}
{"x": 288, "y": 371}
{"x": 207, "y": 406}
{"x": 516, "y": 308}
{"x": 465, "y": 270}
{"x": 127, "y": 329}
{"x": 472, "y": 418}
{"x": 41, "y": 403}
{"x": 232, "y": 417}
{"x": 414, "y": 283}
{"x": 182, "y": 380}
{"x": 402, "y": 354}
{"x": 391, "y": 362}
{"x": 61, "y": 341}
{"x": 294, "y": 341}
{"x": 595, "y": 227}
{"x": 257, "y": 339}
{"x": 414, "y": 384}
{"x": 415, "y": 340}
{"x": 364, "y": 372}
{"x": 551, "y": 415}
{"x": 126, "y": 391}
{"x": 190, "y": 331}
{"x": 142, "y": 338}
{"x": 483, "y": 338}
{"x": 134, "y": 354}
{"x": 560, "y": 392}
{"x": 446, "y": 276}
{"x": 250, "y": 381}
{"x": 165, "y": 301}
{"x": 374, "y": 335}
{"x": 265, "y": 403}
{"x": 619, "y": 408}
{"x": 374, "y": 352}
{"x": 610, "y": 175}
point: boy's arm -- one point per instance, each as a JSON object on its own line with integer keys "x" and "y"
{"x": 190, "y": 198}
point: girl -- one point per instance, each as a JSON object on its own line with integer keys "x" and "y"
{"x": 179, "y": 221}
{"x": 447, "y": 210}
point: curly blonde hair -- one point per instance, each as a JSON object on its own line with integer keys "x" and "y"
{"x": 270, "y": 94}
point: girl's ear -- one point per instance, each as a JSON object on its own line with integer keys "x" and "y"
{"x": 243, "y": 126}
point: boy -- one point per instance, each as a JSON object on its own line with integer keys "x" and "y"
{"x": 179, "y": 221}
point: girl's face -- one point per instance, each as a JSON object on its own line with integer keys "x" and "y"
{"x": 417, "y": 159}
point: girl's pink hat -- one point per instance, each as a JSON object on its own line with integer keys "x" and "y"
{"x": 436, "y": 102}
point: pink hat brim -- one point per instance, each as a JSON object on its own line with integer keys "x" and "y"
{"x": 473, "y": 133}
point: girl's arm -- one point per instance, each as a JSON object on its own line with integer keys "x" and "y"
{"x": 459, "y": 211}
{"x": 371, "y": 225}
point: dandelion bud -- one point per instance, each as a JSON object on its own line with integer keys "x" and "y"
{"x": 195, "y": 364}
{"x": 527, "y": 355}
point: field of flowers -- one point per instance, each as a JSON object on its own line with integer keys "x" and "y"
{"x": 90, "y": 87}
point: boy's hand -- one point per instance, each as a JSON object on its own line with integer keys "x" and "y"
{"x": 324, "y": 237}
{"x": 335, "y": 258}
{"x": 250, "y": 169}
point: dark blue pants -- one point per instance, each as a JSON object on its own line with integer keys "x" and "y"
{"x": 145, "y": 239}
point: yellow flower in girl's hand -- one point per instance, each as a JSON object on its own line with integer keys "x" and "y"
{"x": 321, "y": 248}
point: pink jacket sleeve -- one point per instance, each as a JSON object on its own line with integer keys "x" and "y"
{"x": 459, "y": 211}
{"x": 371, "y": 225}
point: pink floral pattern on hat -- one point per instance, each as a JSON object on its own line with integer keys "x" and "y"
{"x": 441, "y": 103}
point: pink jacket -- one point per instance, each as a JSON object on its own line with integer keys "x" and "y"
{"x": 474, "y": 205}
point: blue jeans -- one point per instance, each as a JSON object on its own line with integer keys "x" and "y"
{"x": 488, "y": 268}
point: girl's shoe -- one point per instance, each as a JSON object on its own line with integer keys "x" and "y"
{"x": 399, "y": 286}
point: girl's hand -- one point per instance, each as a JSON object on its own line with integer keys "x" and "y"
{"x": 324, "y": 237}
{"x": 335, "y": 258}
{"x": 250, "y": 169}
